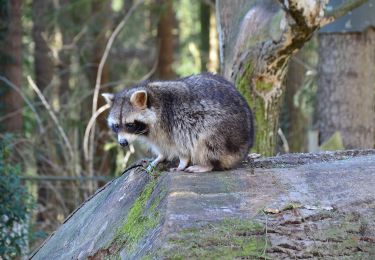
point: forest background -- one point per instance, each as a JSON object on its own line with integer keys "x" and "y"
{"x": 56, "y": 151}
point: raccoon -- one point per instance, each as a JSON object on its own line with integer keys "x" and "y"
{"x": 201, "y": 119}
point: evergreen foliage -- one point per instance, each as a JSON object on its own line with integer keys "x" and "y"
{"x": 15, "y": 204}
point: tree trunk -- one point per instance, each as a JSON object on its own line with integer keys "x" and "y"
{"x": 66, "y": 28}
{"x": 345, "y": 98}
{"x": 254, "y": 52}
{"x": 43, "y": 69}
{"x": 11, "y": 64}
{"x": 204, "y": 34}
{"x": 42, "y": 54}
{"x": 213, "y": 56}
{"x": 101, "y": 10}
{"x": 257, "y": 39}
{"x": 297, "y": 123}
{"x": 165, "y": 41}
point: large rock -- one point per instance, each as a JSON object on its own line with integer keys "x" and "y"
{"x": 292, "y": 206}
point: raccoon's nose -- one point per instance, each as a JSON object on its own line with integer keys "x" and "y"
{"x": 123, "y": 142}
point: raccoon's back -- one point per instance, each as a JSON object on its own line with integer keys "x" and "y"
{"x": 219, "y": 100}
{"x": 201, "y": 104}
{"x": 215, "y": 88}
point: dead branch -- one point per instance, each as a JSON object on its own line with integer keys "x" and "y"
{"x": 342, "y": 10}
{"x": 284, "y": 140}
{"x": 90, "y": 155}
{"x": 18, "y": 90}
{"x": 53, "y": 116}
{"x": 89, "y": 126}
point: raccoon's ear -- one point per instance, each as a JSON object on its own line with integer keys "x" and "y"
{"x": 108, "y": 98}
{"x": 139, "y": 99}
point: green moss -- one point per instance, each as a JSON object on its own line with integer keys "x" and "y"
{"x": 141, "y": 218}
{"x": 343, "y": 236}
{"x": 227, "y": 239}
{"x": 262, "y": 86}
{"x": 147, "y": 257}
{"x": 243, "y": 84}
{"x": 265, "y": 134}
{"x": 265, "y": 138}
{"x": 291, "y": 206}
{"x": 333, "y": 143}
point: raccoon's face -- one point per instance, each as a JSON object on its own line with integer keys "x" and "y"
{"x": 129, "y": 116}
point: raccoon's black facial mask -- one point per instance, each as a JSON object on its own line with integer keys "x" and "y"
{"x": 137, "y": 127}
{"x": 115, "y": 128}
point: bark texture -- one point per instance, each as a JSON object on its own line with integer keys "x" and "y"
{"x": 11, "y": 64}
{"x": 257, "y": 40}
{"x": 345, "y": 98}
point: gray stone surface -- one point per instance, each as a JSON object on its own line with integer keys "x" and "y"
{"x": 293, "y": 206}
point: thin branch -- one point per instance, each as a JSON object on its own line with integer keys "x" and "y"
{"x": 59, "y": 197}
{"x": 127, "y": 155}
{"x": 105, "y": 85}
{"x": 152, "y": 71}
{"x": 304, "y": 64}
{"x": 53, "y": 116}
{"x": 284, "y": 140}
{"x": 114, "y": 34}
{"x": 76, "y": 38}
{"x": 11, "y": 114}
{"x": 342, "y": 10}
{"x": 89, "y": 127}
{"x": 18, "y": 90}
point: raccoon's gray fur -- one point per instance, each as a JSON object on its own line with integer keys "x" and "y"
{"x": 200, "y": 119}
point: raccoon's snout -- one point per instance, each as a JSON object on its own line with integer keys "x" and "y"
{"x": 123, "y": 142}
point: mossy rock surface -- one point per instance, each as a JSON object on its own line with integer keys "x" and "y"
{"x": 292, "y": 206}
{"x": 226, "y": 239}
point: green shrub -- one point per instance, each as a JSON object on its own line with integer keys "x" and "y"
{"x": 15, "y": 204}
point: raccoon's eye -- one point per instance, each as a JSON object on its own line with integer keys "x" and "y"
{"x": 115, "y": 128}
{"x": 131, "y": 127}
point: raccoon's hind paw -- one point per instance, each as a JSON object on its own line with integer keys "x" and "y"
{"x": 176, "y": 169}
{"x": 182, "y": 166}
{"x": 198, "y": 168}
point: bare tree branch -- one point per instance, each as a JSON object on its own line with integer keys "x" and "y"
{"x": 343, "y": 9}
{"x": 18, "y": 90}
{"x": 89, "y": 157}
{"x": 89, "y": 127}
{"x": 284, "y": 140}
{"x": 53, "y": 116}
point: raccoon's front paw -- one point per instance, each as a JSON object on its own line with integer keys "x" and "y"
{"x": 150, "y": 168}
{"x": 198, "y": 168}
